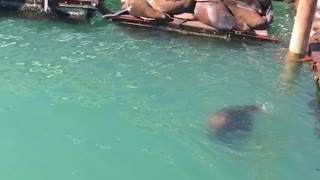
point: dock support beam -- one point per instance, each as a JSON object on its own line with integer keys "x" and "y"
{"x": 299, "y": 38}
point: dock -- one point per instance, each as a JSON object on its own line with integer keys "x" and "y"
{"x": 52, "y": 9}
{"x": 193, "y": 27}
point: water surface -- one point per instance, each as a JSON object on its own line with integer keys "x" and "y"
{"x": 101, "y": 101}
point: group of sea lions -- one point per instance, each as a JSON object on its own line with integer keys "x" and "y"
{"x": 241, "y": 15}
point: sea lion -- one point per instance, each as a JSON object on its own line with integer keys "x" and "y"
{"x": 267, "y": 10}
{"x": 265, "y": 6}
{"x": 214, "y": 13}
{"x": 315, "y": 29}
{"x": 231, "y": 123}
{"x": 173, "y": 7}
{"x": 243, "y": 12}
{"x": 254, "y": 5}
{"x": 265, "y": 3}
{"x": 142, "y": 9}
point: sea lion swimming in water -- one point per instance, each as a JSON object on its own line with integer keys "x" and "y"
{"x": 232, "y": 124}
{"x": 214, "y": 13}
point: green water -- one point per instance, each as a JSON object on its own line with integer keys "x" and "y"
{"x": 101, "y": 101}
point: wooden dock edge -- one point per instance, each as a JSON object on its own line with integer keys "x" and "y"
{"x": 193, "y": 28}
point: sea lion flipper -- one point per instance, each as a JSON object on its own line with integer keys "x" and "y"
{"x": 269, "y": 15}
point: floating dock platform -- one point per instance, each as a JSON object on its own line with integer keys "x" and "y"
{"x": 50, "y": 9}
{"x": 192, "y": 27}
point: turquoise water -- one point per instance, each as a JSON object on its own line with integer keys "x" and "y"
{"x": 101, "y": 101}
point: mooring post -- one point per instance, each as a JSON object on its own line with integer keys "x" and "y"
{"x": 299, "y": 38}
{"x": 45, "y": 7}
{"x": 302, "y": 26}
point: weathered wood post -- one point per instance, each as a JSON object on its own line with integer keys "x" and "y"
{"x": 45, "y": 6}
{"x": 299, "y": 38}
{"x": 302, "y": 26}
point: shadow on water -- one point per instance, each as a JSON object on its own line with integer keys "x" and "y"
{"x": 314, "y": 106}
{"x": 290, "y": 76}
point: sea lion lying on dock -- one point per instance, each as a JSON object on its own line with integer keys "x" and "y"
{"x": 142, "y": 9}
{"x": 214, "y": 13}
{"x": 224, "y": 15}
{"x": 254, "y": 5}
{"x": 173, "y": 7}
{"x": 232, "y": 123}
{"x": 243, "y": 12}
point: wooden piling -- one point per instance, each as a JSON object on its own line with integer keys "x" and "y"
{"x": 299, "y": 38}
{"x": 45, "y": 5}
{"x": 302, "y": 26}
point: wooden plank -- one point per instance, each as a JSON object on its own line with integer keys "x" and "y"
{"x": 261, "y": 32}
{"x": 77, "y": 6}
